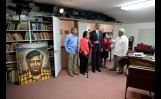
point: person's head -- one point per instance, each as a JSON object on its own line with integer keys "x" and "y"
{"x": 34, "y": 61}
{"x": 86, "y": 34}
{"x": 97, "y": 26}
{"x": 74, "y": 30}
{"x": 121, "y": 32}
{"x": 105, "y": 35}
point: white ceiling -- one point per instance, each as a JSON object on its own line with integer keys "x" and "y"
{"x": 109, "y": 7}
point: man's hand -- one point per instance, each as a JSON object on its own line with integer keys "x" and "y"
{"x": 110, "y": 38}
{"x": 107, "y": 50}
{"x": 85, "y": 52}
{"x": 124, "y": 57}
{"x": 96, "y": 42}
{"x": 101, "y": 49}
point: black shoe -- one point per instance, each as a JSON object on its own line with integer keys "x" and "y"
{"x": 82, "y": 73}
{"x": 98, "y": 70}
{"x": 93, "y": 71}
{"x": 119, "y": 73}
{"x": 85, "y": 71}
{"x": 112, "y": 69}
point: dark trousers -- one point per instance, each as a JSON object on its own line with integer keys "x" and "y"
{"x": 95, "y": 59}
{"x": 83, "y": 63}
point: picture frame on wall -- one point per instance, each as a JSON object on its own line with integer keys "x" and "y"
{"x": 61, "y": 31}
{"x": 66, "y": 32}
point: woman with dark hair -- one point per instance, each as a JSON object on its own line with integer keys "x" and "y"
{"x": 106, "y": 48}
{"x": 84, "y": 51}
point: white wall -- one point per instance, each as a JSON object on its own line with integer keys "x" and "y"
{"x": 115, "y": 34}
{"x": 82, "y": 26}
{"x": 132, "y": 29}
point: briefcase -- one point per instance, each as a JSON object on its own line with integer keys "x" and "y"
{"x": 123, "y": 62}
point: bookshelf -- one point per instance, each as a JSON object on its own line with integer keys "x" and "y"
{"x": 28, "y": 31}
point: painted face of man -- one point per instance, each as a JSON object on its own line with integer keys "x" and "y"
{"x": 35, "y": 64}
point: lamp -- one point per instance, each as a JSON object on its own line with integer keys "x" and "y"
{"x": 61, "y": 10}
{"x": 139, "y": 5}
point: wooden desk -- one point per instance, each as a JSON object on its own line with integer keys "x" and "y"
{"x": 140, "y": 62}
{"x": 141, "y": 77}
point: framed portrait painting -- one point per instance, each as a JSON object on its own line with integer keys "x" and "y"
{"x": 32, "y": 62}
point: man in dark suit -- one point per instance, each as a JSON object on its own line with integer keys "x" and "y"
{"x": 96, "y": 39}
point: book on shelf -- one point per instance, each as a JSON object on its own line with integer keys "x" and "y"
{"x": 41, "y": 26}
{"x": 10, "y": 58}
{"x": 51, "y": 53}
{"x": 13, "y": 65}
{"x": 27, "y": 36}
{"x": 14, "y": 75}
{"x": 41, "y": 35}
{"x": 9, "y": 37}
{"x": 11, "y": 76}
{"x": 17, "y": 36}
{"x": 11, "y": 47}
{"x": 16, "y": 26}
{"x": 51, "y": 46}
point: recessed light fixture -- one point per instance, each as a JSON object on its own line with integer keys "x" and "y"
{"x": 139, "y": 5}
{"x": 61, "y": 10}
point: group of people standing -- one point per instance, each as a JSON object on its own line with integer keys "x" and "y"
{"x": 97, "y": 44}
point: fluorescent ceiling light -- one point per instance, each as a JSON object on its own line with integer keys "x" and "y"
{"x": 139, "y": 5}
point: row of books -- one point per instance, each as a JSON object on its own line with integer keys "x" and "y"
{"x": 11, "y": 75}
{"x": 41, "y": 26}
{"x": 16, "y": 26}
{"x": 11, "y": 47}
{"x": 10, "y": 58}
{"x": 41, "y": 35}
{"x": 51, "y": 46}
{"x": 51, "y": 53}
{"x": 26, "y": 36}
{"x": 52, "y": 65}
{"x": 17, "y": 36}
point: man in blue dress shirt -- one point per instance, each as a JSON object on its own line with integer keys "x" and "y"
{"x": 71, "y": 46}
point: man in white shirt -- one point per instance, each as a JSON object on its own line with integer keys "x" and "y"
{"x": 120, "y": 50}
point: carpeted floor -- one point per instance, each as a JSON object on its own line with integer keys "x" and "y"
{"x": 99, "y": 85}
